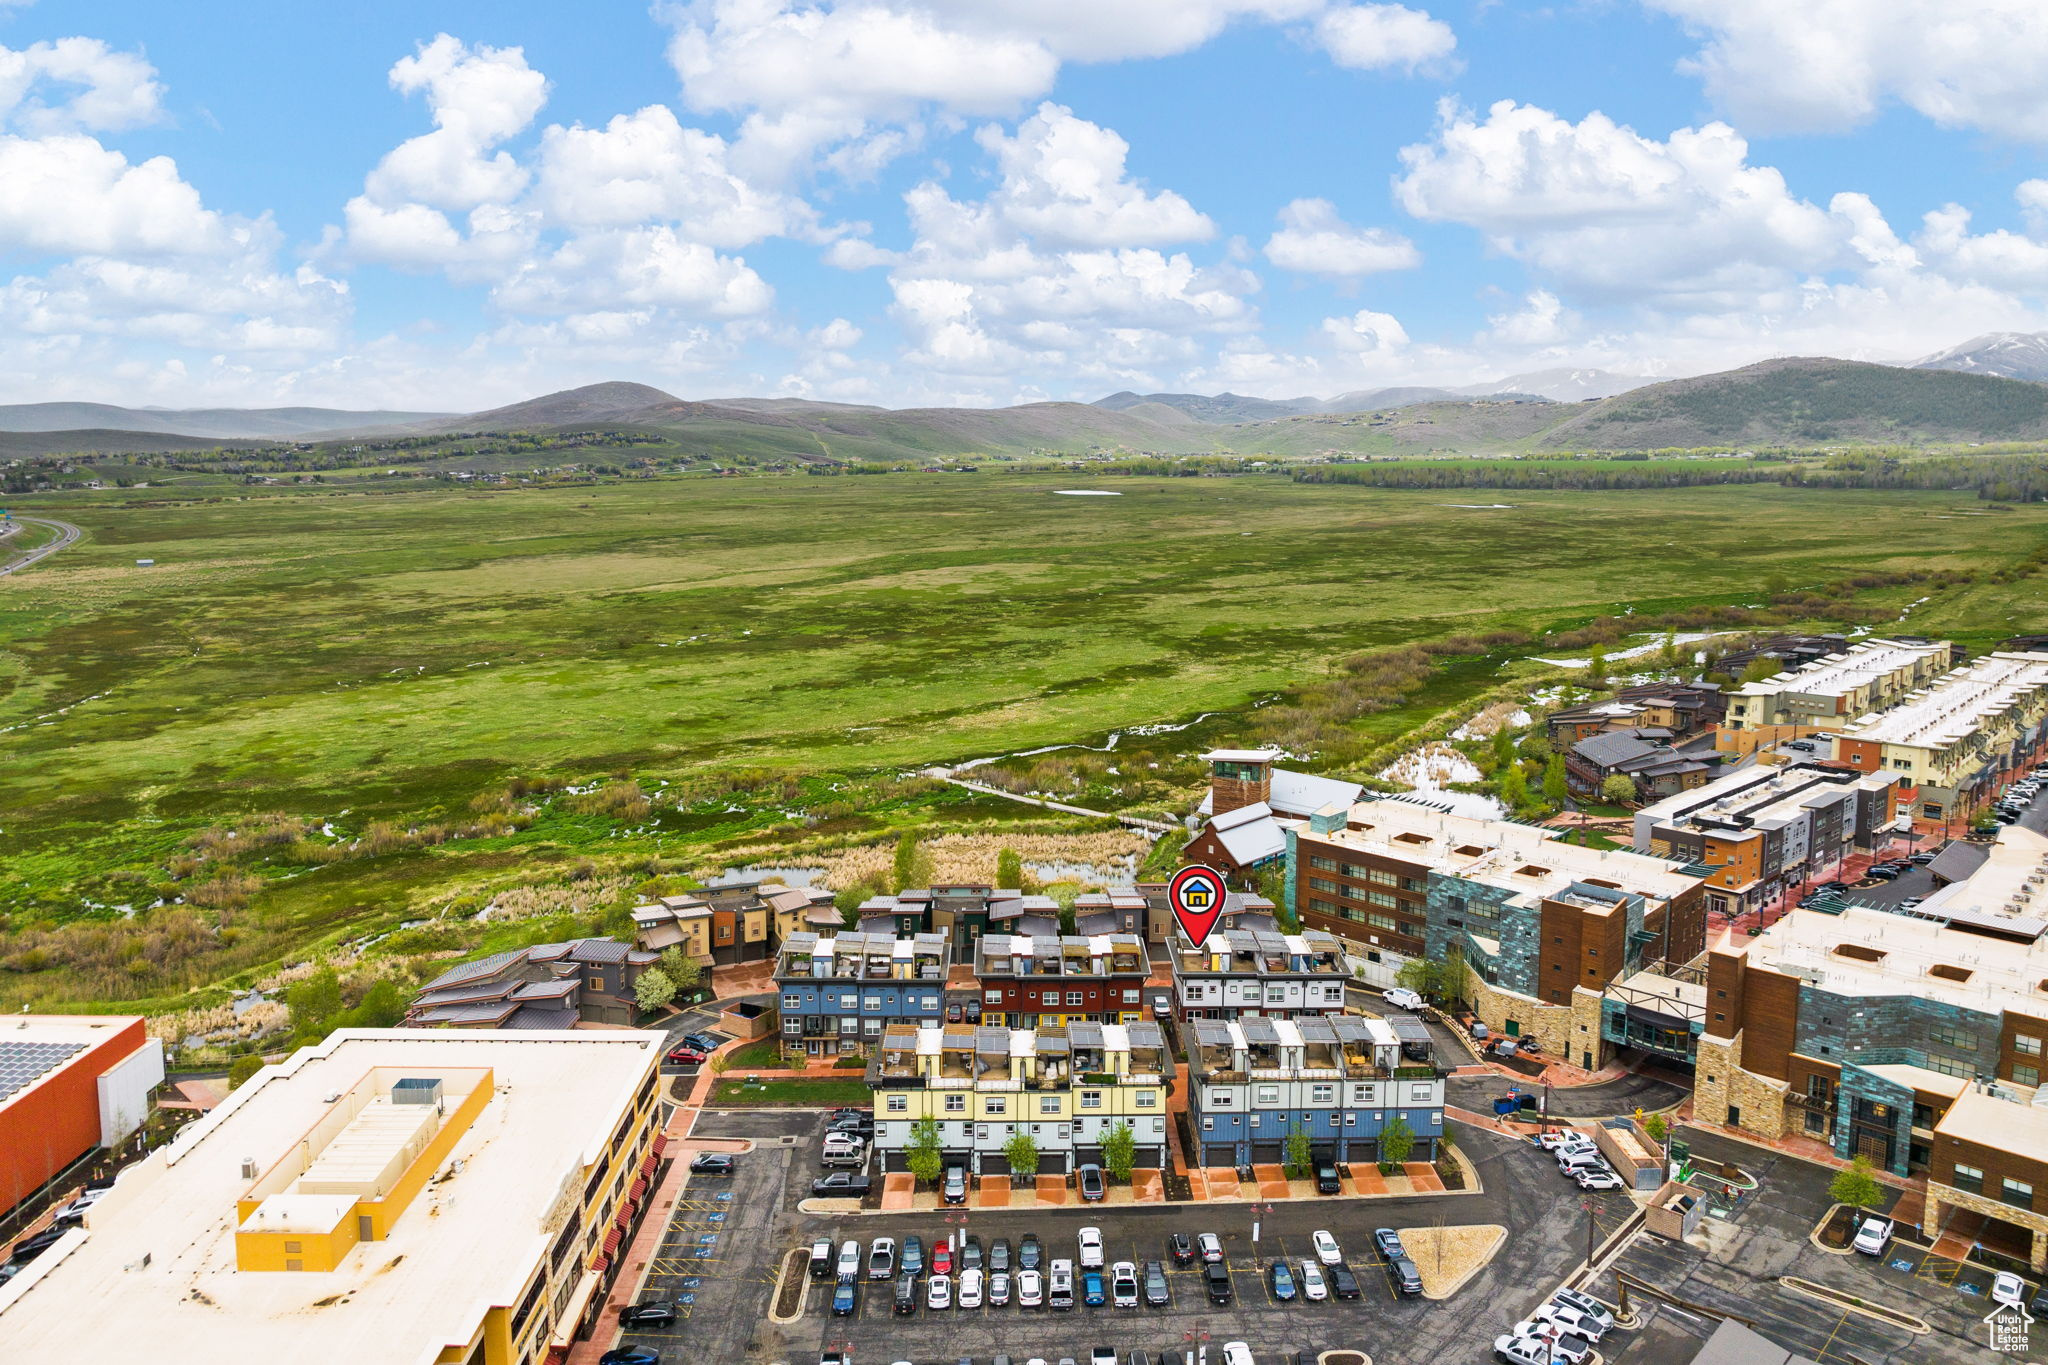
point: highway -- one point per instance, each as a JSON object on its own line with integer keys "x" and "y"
{"x": 66, "y": 533}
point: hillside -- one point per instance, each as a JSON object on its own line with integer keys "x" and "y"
{"x": 225, "y": 423}
{"x": 1222, "y": 407}
{"x": 90, "y": 441}
{"x": 1808, "y": 402}
{"x": 1467, "y": 426}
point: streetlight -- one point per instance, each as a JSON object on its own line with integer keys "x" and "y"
{"x": 1594, "y": 1208}
{"x": 1257, "y": 1209}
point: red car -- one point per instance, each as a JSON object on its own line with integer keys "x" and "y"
{"x": 685, "y": 1054}
{"x": 942, "y": 1258}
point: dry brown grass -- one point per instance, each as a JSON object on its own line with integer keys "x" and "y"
{"x": 1446, "y": 1257}
{"x": 955, "y": 857}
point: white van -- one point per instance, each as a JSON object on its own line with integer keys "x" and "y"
{"x": 844, "y": 1149}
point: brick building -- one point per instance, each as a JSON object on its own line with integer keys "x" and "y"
{"x": 69, "y": 1084}
{"x": 1045, "y": 980}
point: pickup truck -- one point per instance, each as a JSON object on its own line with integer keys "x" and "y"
{"x": 1871, "y": 1237}
{"x": 841, "y": 1185}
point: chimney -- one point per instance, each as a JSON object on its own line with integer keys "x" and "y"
{"x": 1239, "y": 777}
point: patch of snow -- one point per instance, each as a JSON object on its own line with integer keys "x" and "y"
{"x": 1084, "y": 493}
{"x": 1479, "y": 506}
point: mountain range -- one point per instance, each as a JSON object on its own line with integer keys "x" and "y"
{"x": 1959, "y": 395}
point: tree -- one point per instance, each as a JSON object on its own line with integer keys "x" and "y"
{"x": 685, "y": 971}
{"x": 1503, "y": 747}
{"x": 1761, "y": 668}
{"x": 1596, "y": 666}
{"x": 1120, "y": 1151}
{"x": 1514, "y": 787}
{"x": 1658, "y": 1127}
{"x": 1422, "y": 975}
{"x": 913, "y": 866}
{"x": 1300, "y": 1154}
{"x": 382, "y": 1006}
{"x": 653, "y": 989}
{"x": 1536, "y": 745}
{"x": 926, "y": 1153}
{"x": 1022, "y": 1154}
{"x": 1619, "y": 789}
{"x": 1553, "y": 780}
{"x": 720, "y": 1063}
{"x": 1397, "y": 1140}
{"x": 1009, "y": 869}
{"x": 314, "y": 1001}
{"x": 243, "y": 1068}
{"x": 1856, "y": 1186}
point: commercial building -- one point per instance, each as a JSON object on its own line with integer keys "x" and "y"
{"x": 548, "y": 986}
{"x": 1251, "y": 804}
{"x": 1988, "y": 1170}
{"x": 1340, "y": 1079}
{"x": 840, "y": 991}
{"x": 1763, "y": 830}
{"x": 1960, "y": 740}
{"x": 1828, "y": 693}
{"x": 1259, "y": 972}
{"x": 1536, "y": 931}
{"x": 1861, "y": 1028}
{"x": 1026, "y": 982}
{"x": 69, "y": 1085}
{"x": 390, "y": 1195}
{"x": 1064, "y": 1088}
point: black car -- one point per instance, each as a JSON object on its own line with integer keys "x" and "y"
{"x": 1030, "y": 1256}
{"x": 1884, "y": 874}
{"x": 998, "y": 1255}
{"x": 906, "y": 1294}
{"x": 860, "y": 1125}
{"x": 1343, "y": 1284}
{"x": 970, "y": 1252}
{"x": 28, "y": 1248}
{"x": 1216, "y": 1279}
{"x": 630, "y": 1355}
{"x": 647, "y": 1315}
{"x": 824, "y": 1257}
{"x": 1156, "y": 1293}
{"x": 842, "y": 1185}
{"x": 712, "y": 1163}
{"x": 1407, "y": 1280}
{"x": 1182, "y": 1248}
{"x": 1327, "y": 1181}
{"x": 704, "y": 1042}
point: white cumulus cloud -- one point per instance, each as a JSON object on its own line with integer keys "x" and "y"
{"x": 1371, "y": 37}
{"x": 101, "y": 89}
{"x": 1314, "y": 240}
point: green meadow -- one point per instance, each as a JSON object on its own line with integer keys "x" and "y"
{"x": 347, "y": 656}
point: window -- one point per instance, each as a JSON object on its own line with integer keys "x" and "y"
{"x": 1384, "y": 900}
{"x": 2026, "y": 1043}
{"x": 597, "y": 983}
{"x": 956, "y": 1104}
{"x": 849, "y": 1001}
{"x": 1321, "y": 884}
{"x": 1385, "y": 878}
{"x": 991, "y": 997}
{"x": 899, "y": 1104}
{"x": 1321, "y": 1094}
{"x": 1353, "y": 893}
{"x": 1387, "y": 922}
{"x": 725, "y": 933}
{"x": 1073, "y": 997}
{"x": 1968, "y": 1178}
{"x": 871, "y": 1027}
{"x": 872, "y": 1003}
{"x": 997, "y": 1104}
{"x": 2026, "y": 1075}
{"x": 1208, "y": 1124}
{"x": 1949, "y": 1036}
{"x": 1222, "y": 1099}
{"x": 1351, "y": 1120}
{"x": 2017, "y": 1193}
{"x": 293, "y": 1248}
{"x": 1052, "y": 997}
{"x": 790, "y": 1002}
{"x": 931, "y": 1002}
{"x": 1048, "y": 1104}
{"x": 1091, "y": 1099}
{"x": 1269, "y": 1094}
{"x": 1146, "y": 1099}
{"x": 1130, "y": 997}
{"x": 1322, "y": 864}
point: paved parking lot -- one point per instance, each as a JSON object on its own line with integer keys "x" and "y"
{"x": 1764, "y": 1239}
{"x": 728, "y": 1280}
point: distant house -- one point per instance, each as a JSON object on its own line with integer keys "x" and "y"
{"x": 549, "y": 986}
{"x": 1250, "y": 805}
{"x": 1644, "y": 756}
{"x": 1680, "y": 708}
{"x": 726, "y": 925}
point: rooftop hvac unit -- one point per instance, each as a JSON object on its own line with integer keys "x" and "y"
{"x": 249, "y": 1171}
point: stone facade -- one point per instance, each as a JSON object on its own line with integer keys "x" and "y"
{"x": 1724, "y": 1093}
{"x": 1550, "y": 1025}
{"x": 1943, "y": 1198}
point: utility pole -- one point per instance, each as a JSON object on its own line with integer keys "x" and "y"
{"x": 1592, "y": 1207}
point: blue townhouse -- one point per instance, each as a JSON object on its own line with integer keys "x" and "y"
{"x": 839, "y": 991}
{"x": 1340, "y": 1079}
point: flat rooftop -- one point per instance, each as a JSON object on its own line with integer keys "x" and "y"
{"x": 1756, "y": 796}
{"x": 36, "y": 1047}
{"x": 153, "y": 1270}
{"x": 1499, "y": 853}
{"x": 1845, "y": 673}
{"x": 1862, "y": 952}
{"x": 2006, "y": 1125}
{"x": 2009, "y": 889}
{"x": 1953, "y": 706}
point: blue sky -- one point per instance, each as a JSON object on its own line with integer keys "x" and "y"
{"x": 450, "y": 205}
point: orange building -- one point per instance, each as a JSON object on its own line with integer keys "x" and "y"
{"x": 69, "y": 1084}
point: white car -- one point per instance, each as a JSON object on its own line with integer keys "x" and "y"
{"x": 1327, "y": 1250}
{"x": 1587, "y": 1304}
{"x": 1565, "y": 1140}
{"x": 74, "y": 1211}
{"x": 970, "y": 1287}
{"x": 1101, "y": 1355}
{"x": 939, "y": 1293}
{"x": 1538, "y": 1347}
{"x": 1569, "y": 1319}
{"x": 1314, "y": 1287}
{"x": 1091, "y": 1248}
{"x": 1596, "y": 1178}
{"x": 2007, "y": 1288}
{"x": 998, "y": 1288}
{"x": 1030, "y": 1289}
{"x": 1400, "y": 997}
{"x": 1871, "y": 1237}
{"x": 1211, "y": 1246}
{"x": 1123, "y": 1284}
{"x": 1236, "y": 1353}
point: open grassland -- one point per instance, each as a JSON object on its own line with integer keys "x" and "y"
{"x": 352, "y": 658}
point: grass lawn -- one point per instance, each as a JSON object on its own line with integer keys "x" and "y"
{"x": 764, "y": 1052}
{"x": 812, "y": 1094}
{"x": 356, "y": 654}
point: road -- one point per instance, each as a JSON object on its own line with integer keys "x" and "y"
{"x": 66, "y": 534}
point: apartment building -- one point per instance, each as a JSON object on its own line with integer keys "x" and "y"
{"x": 395, "y": 1195}
{"x": 1674, "y": 709}
{"x": 1252, "y": 1082}
{"x": 1762, "y": 830}
{"x": 1064, "y": 1087}
{"x": 1961, "y": 739}
{"x": 1026, "y": 982}
{"x": 1537, "y": 930}
{"x": 727, "y": 925}
{"x": 1259, "y": 972}
{"x": 69, "y": 1083}
{"x": 839, "y": 992}
{"x": 1828, "y": 693}
{"x": 547, "y": 986}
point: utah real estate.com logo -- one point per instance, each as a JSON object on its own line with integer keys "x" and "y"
{"x": 2009, "y": 1327}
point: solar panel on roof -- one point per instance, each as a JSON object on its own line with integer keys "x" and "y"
{"x": 21, "y": 1062}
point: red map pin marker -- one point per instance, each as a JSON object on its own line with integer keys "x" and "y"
{"x": 1196, "y": 895}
